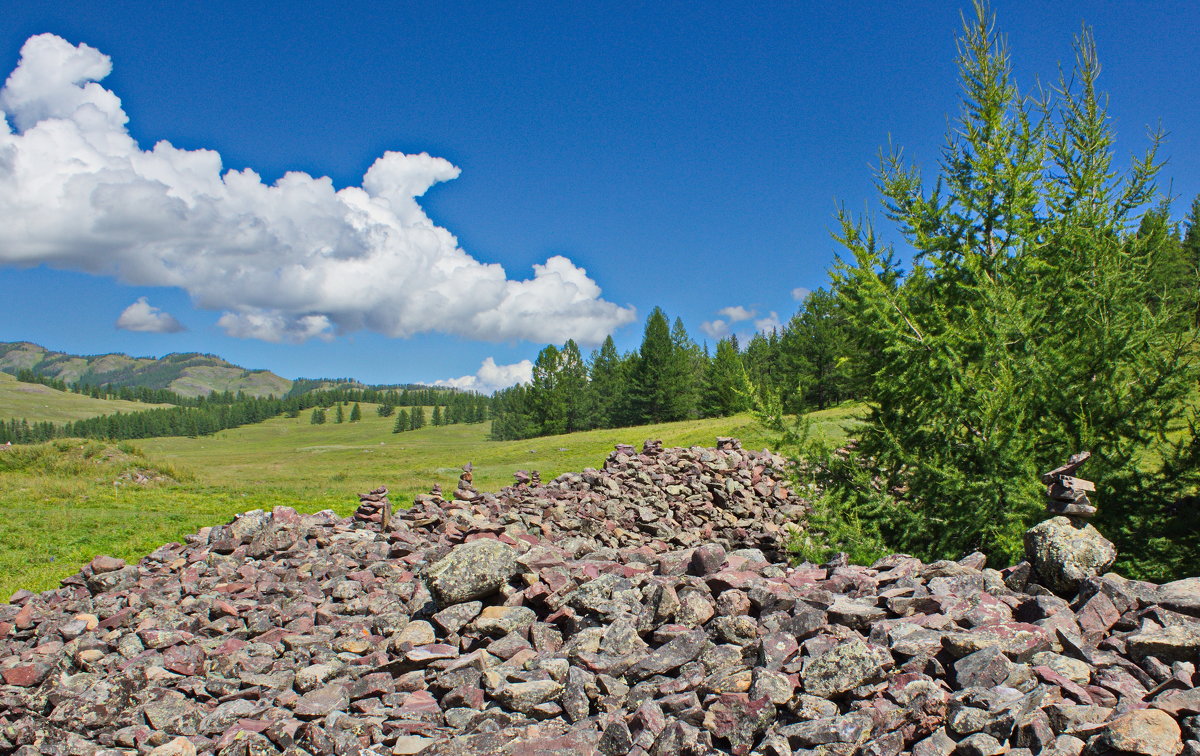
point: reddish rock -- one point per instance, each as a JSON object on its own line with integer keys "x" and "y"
{"x": 25, "y": 675}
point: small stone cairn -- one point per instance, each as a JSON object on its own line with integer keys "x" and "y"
{"x": 1067, "y": 494}
{"x": 466, "y": 485}
{"x": 374, "y": 507}
{"x": 1065, "y": 550}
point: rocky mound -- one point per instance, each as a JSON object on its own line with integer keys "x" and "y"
{"x": 463, "y": 630}
{"x": 659, "y": 498}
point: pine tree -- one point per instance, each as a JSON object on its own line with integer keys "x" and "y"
{"x": 820, "y": 355}
{"x": 339, "y": 416}
{"x": 609, "y": 385}
{"x": 401, "y": 423}
{"x": 436, "y": 419}
{"x": 573, "y": 387}
{"x": 385, "y": 410}
{"x": 688, "y": 366}
{"x": 416, "y": 418}
{"x": 654, "y": 370}
{"x": 355, "y": 413}
{"x": 318, "y": 416}
{"x": 1020, "y": 335}
{"x": 726, "y": 388}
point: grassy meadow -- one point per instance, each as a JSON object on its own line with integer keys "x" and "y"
{"x": 64, "y": 502}
{"x": 35, "y": 402}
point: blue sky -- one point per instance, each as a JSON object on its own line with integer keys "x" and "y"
{"x": 686, "y": 155}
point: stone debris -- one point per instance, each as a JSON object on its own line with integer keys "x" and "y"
{"x": 660, "y": 498}
{"x": 374, "y": 507}
{"x": 473, "y": 628}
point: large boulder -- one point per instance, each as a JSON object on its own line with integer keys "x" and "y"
{"x": 1065, "y": 554}
{"x": 1148, "y": 732}
{"x": 472, "y": 570}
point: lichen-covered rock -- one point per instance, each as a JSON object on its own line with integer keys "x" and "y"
{"x": 842, "y": 668}
{"x": 472, "y": 570}
{"x": 1147, "y": 732}
{"x": 1064, "y": 555}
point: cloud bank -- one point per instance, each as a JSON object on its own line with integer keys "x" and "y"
{"x": 143, "y": 316}
{"x": 492, "y": 377}
{"x": 288, "y": 261}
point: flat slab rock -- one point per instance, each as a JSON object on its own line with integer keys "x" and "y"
{"x": 639, "y": 609}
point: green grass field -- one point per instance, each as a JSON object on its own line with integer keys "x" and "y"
{"x": 63, "y": 503}
{"x": 35, "y": 403}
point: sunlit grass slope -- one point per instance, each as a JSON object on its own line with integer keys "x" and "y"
{"x": 64, "y": 502}
{"x": 36, "y": 403}
{"x": 327, "y": 463}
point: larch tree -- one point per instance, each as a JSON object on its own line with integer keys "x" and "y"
{"x": 1022, "y": 332}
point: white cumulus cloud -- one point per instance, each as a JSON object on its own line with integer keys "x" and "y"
{"x": 143, "y": 316}
{"x": 799, "y": 293}
{"x": 768, "y": 324}
{"x": 715, "y": 329}
{"x": 492, "y": 377}
{"x": 287, "y": 261}
{"x": 737, "y": 313}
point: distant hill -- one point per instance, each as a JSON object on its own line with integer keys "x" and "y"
{"x": 37, "y": 403}
{"x": 188, "y": 374}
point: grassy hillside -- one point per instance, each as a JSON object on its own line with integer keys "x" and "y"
{"x": 35, "y": 402}
{"x": 188, "y": 374}
{"x": 323, "y": 463}
{"x": 65, "y": 502}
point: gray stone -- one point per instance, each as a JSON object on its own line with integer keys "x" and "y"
{"x": 472, "y": 570}
{"x": 843, "y": 668}
{"x": 1063, "y": 555}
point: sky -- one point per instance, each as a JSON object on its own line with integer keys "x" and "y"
{"x": 421, "y": 192}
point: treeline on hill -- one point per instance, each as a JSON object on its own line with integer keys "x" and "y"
{"x": 813, "y": 361}
{"x": 1050, "y": 306}
{"x": 205, "y": 415}
{"x": 448, "y": 409}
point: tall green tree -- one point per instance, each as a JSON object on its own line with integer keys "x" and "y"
{"x": 726, "y": 387}
{"x": 689, "y": 364}
{"x": 416, "y": 418}
{"x": 574, "y": 388}
{"x": 609, "y": 380}
{"x": 318, "y": 416}
{"x": 401, "y": 423}
{"x": 355, "y": 413}
{"x": 1022, "y": 332}
{"x": 340, "y": 415}
{"x": 436, "y": 419}
{"x": 820, "y": 355}
{"x": 655, "y": 371}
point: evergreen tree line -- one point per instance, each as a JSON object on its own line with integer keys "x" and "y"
{"x": 168, "y": 421}
{"x": 1050, "y": 305}
{"x": 812, "y": 361}
{"x": 222, "y": 411}
{"x": 412, "y": 395}
{"x": 129, "y": 393}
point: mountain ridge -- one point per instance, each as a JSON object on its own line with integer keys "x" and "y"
{"x": 186, "y": 373}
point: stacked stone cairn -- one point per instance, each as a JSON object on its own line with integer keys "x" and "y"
{"x": 374, "y": 508}
{"x": 1066, "y": 494}
{"x": 546, "y": 620}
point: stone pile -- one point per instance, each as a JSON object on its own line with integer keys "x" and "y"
{"x": 374, "y": 508}
{"x": 1066, "y": 494}
{"x": 660, "y": 498}
{"x": 282, "y": 633}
